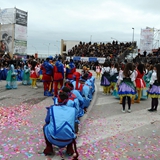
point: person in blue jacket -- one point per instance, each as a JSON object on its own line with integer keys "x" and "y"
{"x": 72, "y": 102}
{"x": 55, "y": 122}
{"x": 78, "y": 95}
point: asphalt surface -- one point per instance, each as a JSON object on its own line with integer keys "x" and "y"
{"x": 105, "y": 132}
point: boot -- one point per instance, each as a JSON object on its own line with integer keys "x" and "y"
{"x": 45, "y": 93}
{"x": 49, "y": 148}
{"x": 48, "y": 151}
{"x": 50, "y": 94}
{"x": 155, "y": 109}
{"x": 137, "y": 101}
{"x": 132, "y": 101}
{"x": 70, "y": 150}
{"x": 120, "y": 102}
{"x": 76, "y": 128}
{"x": 139, "y": 97}
{"x": 151, "y": 110}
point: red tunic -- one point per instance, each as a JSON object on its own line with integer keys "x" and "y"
{"x": 140, "y": 83}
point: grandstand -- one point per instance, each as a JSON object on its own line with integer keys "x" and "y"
{"x": 115, "y": 50}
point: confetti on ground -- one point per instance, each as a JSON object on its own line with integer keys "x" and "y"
{"x": 100, "y": 137}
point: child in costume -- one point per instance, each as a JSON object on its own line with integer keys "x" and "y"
{"x": 70, "y": 69}
{"x": 140, "y": 83}
{"x": 19, "y": 73}
{"x": 72, "y": 102}
{"x": 47, "y": 78}
{"x": 11, "y": 78}
{"x": 84, "y": 90}
{"x": 114, "y": 71}
{"x": 59, "y": 127}
{"x": 105, "y": 79}
{"x": 58, "y": 75}
{"x": 98, "y": 71}
{"x": 78, "y": 95}
{"x": 26, "y": 75}
{"x": 115, "y": 92}
{"x": 148, "y": 75}
{"x": 127, "y": 86}
{"x": 154, "y": 89}
{"x": 34, "y": 74}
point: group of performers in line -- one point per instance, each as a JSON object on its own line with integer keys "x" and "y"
{"x": 71, "y": 92}
{"x": 70, "y": 102}
{"x": 131, "y": 82}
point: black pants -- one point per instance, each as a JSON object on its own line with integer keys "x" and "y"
{"x": 154, "y": 103}
{"x": 124, "y": 102}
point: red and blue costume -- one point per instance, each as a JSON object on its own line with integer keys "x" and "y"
{"x": 47, "y": 78}
{"x": 70, "y": 69}
{"x": 58, "y": 76}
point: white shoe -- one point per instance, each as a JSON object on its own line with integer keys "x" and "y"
{"x": 35, "y": 87}
{"x": 123, "y": 111}
{"x": 104, "y": 93}
{"x": 129, "y": 110}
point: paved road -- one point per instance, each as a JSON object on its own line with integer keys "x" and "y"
{"x": 105, "y": 132}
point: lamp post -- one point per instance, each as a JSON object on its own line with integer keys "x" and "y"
{"x": 48, "y": 47}
{"x": 133, "y": 36}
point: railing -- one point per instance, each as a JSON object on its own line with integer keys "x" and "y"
{"x": 125, "y": 53}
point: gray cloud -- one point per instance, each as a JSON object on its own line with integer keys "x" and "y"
{"x": 50, "y": 21}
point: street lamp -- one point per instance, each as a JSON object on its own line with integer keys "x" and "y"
{"x": 48, "y": 47}
{"x": 133, "y": 36}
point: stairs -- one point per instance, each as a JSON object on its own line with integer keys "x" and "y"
{"x": 128, "y": 53}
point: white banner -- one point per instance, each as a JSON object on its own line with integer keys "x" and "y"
{"x": 20, "y": 47}
{"x": 20, "y": 32}
{"x": 84, "y": 59}
{"x": 146, "y": 40}
{"x": 7, "y": 16}
{"x": 101, "y": 60}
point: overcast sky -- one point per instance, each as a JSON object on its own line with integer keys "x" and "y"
{"x": 49, "y": 21}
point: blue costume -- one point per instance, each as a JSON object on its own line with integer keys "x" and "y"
{"x": 26, "y": 76}
{"x": 59, "y": 129}
{"x": 11, "y": 78}
{"x": 73, "y": 102}
{"x": 81, "y": 102}
{"x": 70, "y": 69}
{"x": 54, "y": 120}
{"x": 47, "y": 77}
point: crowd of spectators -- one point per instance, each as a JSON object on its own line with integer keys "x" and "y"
{"x": 113, "y": 49}
{"x": 151, "y": 58}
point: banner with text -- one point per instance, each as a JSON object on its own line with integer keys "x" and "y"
{"x": 146, "y": 40}
{"x": 7, "y": 16}
{"x": 21, "y": 17}
{"x": 20, "y": 47}
{"x": 20, "y": 32}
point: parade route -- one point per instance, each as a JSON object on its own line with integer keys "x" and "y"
{"x": 105, "y": 132}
